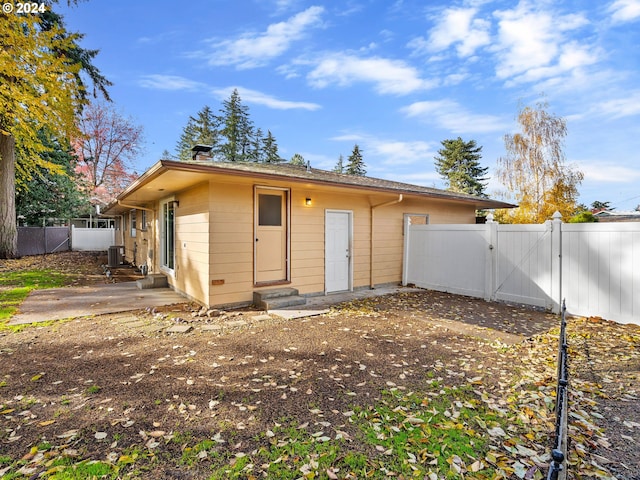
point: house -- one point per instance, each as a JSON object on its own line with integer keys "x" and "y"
{"x": 615, "y": 216}
{"x": 220, "y": 231}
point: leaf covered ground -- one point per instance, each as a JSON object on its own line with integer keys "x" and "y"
{"x": 411, "y": 385}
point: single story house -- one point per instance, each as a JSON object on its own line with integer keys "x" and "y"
{"x": 221, "y": 231}
{"x": 615, "y": 216}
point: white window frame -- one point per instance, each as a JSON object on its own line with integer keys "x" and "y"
{"x": 167, "y": 267}
{"x": 133, "y": 218}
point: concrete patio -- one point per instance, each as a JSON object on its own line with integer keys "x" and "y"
{"x": 72, "y": 302}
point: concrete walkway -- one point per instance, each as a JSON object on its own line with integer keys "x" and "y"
{"x": 60, "y": 303}
{"x": 74, "y": 302}
{"x": 318, "y": 305}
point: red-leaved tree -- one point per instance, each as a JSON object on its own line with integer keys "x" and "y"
{"x": 106, "y": 148}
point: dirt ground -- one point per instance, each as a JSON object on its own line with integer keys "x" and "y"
{"x": 124, "y": 376}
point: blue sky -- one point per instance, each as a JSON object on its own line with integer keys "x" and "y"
{"x": 395, "y": 77}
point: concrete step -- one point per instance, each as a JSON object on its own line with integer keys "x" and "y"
{"x": 153, "y": 280}
{"x": 282, "y": 302}
{"x": 261, "y": 295}
{"x": 273, "y": 298}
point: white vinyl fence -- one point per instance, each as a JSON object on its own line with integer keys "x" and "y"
{"x": 595, "y": 267}
{"x": 92, "y": 239}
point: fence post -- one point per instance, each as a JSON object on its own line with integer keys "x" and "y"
{"x": 491, "y": 234}
{"x": 556, "y": 262}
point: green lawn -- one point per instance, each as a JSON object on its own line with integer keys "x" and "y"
{"x": 15, "y": 286}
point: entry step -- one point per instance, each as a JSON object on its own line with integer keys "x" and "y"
{"x": 273, "y": 298}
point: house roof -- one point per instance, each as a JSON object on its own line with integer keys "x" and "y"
{"x": 299, "y": 174}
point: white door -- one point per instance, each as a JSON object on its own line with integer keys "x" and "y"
{"x": 337, "y": 251}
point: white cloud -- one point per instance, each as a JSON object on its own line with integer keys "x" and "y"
{"x": 426, "y": 179}
{"x": 456, "y": 26}
{"x": 389, "y": 152}
{"x": 452, "y": 116}
{"x": 609, "y": 173}
{"x": 169, "y": 82}
{"x": 627, "y": 106}
{"x": 256, "y": 49}
{"x": 625, "y": 10}
{"x": 535, "y": 44}
{"x": 259, "y": 98}
{"x": 388, "y": 76}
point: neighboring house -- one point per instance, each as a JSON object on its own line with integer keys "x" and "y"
{"x": 220, "y": 231}
{"x": 615, "y": 216}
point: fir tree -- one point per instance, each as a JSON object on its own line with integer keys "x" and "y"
{"x": 203, "y": 129}
{"x": 270, "y": 148}
{"x": 339, "y": 168}
{"x": 356, "y": 165}
{"x": 297, "y": 159}
{"x": 458, "y": 163}
{"x": 237, "y": 129}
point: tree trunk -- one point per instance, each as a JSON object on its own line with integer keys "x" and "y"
{"x": 8, "y": 230}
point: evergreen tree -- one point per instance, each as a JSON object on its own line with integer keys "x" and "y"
{"x": 256, "y": 152}
{"x": 270, "y": 149}
{"x": 49, "y": 194}
{"x": 203, "y": 129}
{"x": 237, "y": 129}
{"x": 42, "y": 84}
{"x": 458, "y": 163}
{"x": 298, "y": 159}
{"x": 339, "y": 168}
{"x": 356, "y": 165}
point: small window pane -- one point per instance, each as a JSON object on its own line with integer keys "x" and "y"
{"x": 270, "y": 210}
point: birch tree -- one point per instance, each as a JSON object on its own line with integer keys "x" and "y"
{"x": 534, "y": 170}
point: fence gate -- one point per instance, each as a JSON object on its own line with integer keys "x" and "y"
{"x": 522, "y": 257}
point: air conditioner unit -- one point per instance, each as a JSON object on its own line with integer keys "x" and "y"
{"x": 115, "y": 255}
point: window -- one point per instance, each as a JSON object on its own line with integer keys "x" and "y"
{"x": 269, "y": 210}
{"x": 143, "y": 220}
{"x": 415, "y": 219}
{"x": 167, "y": 236}
{"x": 132, "y": 217}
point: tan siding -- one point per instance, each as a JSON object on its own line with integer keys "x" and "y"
{"x": 192, "y": 243}
{"x": 216, "y": 221}
{"x": 231, "y": 238}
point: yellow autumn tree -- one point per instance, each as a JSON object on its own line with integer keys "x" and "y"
{"x": 534, "y": 170}
{"x": 40, "y": 89}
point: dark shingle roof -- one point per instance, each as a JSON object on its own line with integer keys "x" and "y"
{"x": 315, "y": 175}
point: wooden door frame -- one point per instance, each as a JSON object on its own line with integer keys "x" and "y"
{"x": 287, "y": 194}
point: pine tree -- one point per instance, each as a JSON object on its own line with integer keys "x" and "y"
{"x": 237, "y": 129}
{"x": 270, "y": 148}
{"x": 339, "y": 168}
{"x": 297, "y": 159}
{"x": 256, "y": 152}
{"x": 458, "y": 163}
{"x": 356, "y": 165}
{"x": 203, "y": 129}
{"x": 48, "y": 194}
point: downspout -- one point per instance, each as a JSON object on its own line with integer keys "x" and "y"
{"x": 372, "y": 236}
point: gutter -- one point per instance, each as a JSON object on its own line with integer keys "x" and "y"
{"x": 135, "y": 207}
{"x": 372, "y": 236}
